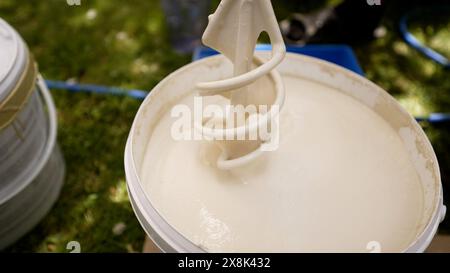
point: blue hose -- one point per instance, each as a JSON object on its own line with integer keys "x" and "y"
{"x": 416, "y": 44}
{"x": 98, "y": 89}
{"x": 435, "y": 118}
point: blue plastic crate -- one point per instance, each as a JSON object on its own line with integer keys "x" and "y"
{"x": 342, "y": 55}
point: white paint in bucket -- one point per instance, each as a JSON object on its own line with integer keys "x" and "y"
{"x": 183, "y": 81}
{"x": 31, "y": 165}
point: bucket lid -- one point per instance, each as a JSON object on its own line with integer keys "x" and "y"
{"x": 17, "y": 74}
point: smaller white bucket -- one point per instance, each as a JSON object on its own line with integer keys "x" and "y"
{"x": 24, "y": 206}
{"x": 31, "y": 165}
{"x": 183, "y": 81}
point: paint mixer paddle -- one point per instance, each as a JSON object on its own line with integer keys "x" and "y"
{"x": 233, "y": 30}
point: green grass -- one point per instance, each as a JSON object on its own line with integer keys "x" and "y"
{"x": 125, "y": 43}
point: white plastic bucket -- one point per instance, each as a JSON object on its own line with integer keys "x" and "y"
{"x": 181, "y": 82}
{"x": 28, "y": 203}
{"x": 31, "y": 165}
{"x": 21, "y": 145}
